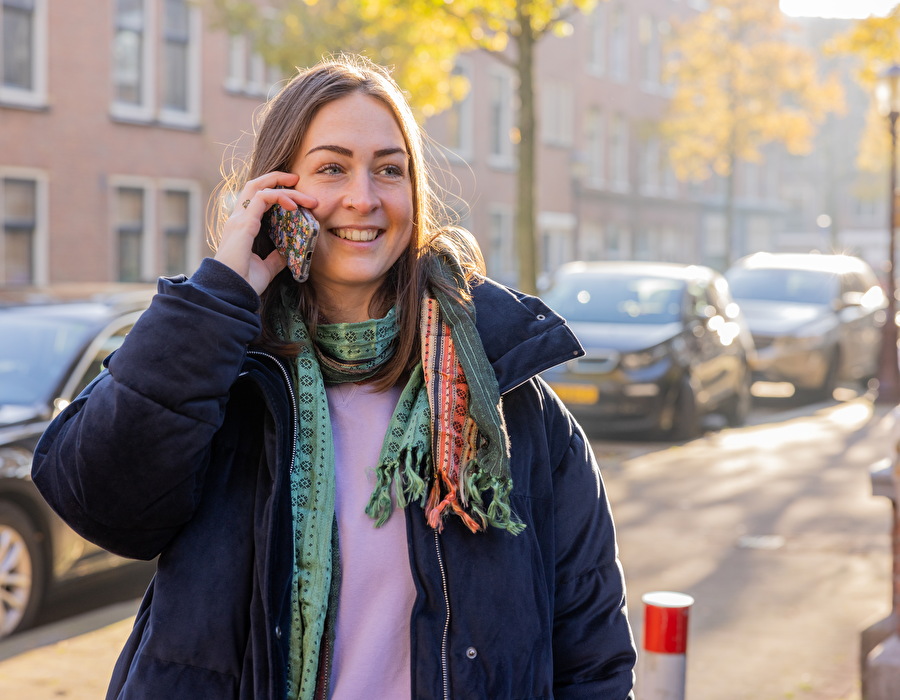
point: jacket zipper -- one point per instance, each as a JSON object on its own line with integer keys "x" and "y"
{"x": 293, "y": 408}
{"x": 445, "y": 675}
{"x": 290, "y": 388}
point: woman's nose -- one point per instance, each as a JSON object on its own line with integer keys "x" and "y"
{"x": 362, "y": 196}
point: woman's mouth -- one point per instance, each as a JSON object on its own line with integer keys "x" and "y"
{"x": 356, "y": 234}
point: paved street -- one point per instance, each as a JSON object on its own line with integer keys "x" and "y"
{"x": 771, "y": 528}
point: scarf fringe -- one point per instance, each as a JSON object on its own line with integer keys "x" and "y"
{"x": 466, "y": 502}
{"x": 411, "y": 487}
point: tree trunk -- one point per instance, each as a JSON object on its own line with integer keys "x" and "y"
{"x": 527, "y": 149}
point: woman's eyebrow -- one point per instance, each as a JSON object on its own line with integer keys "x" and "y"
{"x": 340, "y": 150}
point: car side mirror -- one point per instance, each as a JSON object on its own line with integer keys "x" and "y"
{"x": 848, "y": 299}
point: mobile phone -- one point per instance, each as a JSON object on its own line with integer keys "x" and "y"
{"x": 294, "y": 234}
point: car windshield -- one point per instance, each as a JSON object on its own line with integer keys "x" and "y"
{"x": 617, "y": 298}
{"x": 783, "y": 284}
{"x": 35, "y": 352}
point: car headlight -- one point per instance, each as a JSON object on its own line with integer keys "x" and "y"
{"x": 809, "y": 337}
{"x": 644, "y": 358}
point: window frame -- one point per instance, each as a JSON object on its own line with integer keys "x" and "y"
{"x": 190, "y": 116}
{"x": 39, "y": 241}
{"x": 145, "y": 108}
{"x": 501, "y": 151}
{"x": 35, "y": 96}
{"x": 147, "y": 264}
{"x": 194, "y": 223}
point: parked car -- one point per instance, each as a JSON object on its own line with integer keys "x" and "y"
{"x": 49, "y": 351}
{"x": 816, "y": 319}
{"x": 665, "y": 346}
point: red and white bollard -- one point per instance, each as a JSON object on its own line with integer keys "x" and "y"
{"x": 663, "y": 664}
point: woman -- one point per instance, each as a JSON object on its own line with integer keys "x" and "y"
{"x": 357, "y": 486}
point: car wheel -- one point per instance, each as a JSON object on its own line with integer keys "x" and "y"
{"x": 686, "y": 421}
{"x": 738, "y": 408}
{"x": 21, "y": 570}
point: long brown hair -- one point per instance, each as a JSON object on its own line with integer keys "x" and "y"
{"x": 283, "y": 122}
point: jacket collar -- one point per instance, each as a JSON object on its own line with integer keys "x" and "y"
{"x": 521, "y": 335}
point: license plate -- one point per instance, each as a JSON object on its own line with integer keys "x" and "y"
{"x": 577, "y": 393}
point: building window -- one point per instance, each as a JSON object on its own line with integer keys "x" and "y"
{"x": 20, "y": 212}
{"x": 501, "y": 118}
{"x": 176, "y": 65}
{"x": 460, "y": 122}
{"x": 597, "y": 46}
{"x": 130, "y": 224}
{"x": 590, "y": 242}
{"x": 618, "y": 242}
{"x": 176, "y": 218}
{"x": 596, "y": 148}
{"x": 618, "y": 44}
{"x": 556, "y": 114}
{"x": 651, "y": 169}
{"x": 618, "y": 152}
{"x": 557, "y": 243}
{"x": 248, "y": 72}
{"x": 501, "y": 259}
{"x": 23, "y": 58}
{"x": 129, "y": 49}
{"x": 156, "y": 71}
{"x": 651, "y": 55}
{"x": 866, "y": 210}
{"x": 644, "y": 244}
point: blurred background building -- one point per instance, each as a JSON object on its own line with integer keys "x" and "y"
{"x": 116, "y": 115}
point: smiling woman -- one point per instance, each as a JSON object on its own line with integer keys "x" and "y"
{"x": 353, "y": 481}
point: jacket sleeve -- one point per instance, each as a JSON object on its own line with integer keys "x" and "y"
{"x": 593, "y": 649}
{"x": 124, "y": 463}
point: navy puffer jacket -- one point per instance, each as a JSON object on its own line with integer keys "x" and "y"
{"x": 182, "y": 451}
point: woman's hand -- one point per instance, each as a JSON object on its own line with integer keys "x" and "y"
{"x": 235, "y": 248}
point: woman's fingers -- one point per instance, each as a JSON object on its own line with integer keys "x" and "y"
{"x": 235, "y": 247}
{"x": 272, "y": 188}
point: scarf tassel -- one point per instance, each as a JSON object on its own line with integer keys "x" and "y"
{"x": 411, "y": 486}
{"x": 467, "y": 502}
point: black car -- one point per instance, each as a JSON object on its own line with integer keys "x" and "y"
{"x": 49, "y": 351}
{"x": 665, "y": 347}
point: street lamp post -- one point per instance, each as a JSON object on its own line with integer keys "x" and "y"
{"x": 887, "y": 96}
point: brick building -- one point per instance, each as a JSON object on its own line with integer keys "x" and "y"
{"x": 605, "y": 189}
{"x": 115, "y": 116}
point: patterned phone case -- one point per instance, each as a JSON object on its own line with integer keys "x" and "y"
{"x": 294, "y": 234}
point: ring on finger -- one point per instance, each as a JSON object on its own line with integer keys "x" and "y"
{"x": 245, "y": 203}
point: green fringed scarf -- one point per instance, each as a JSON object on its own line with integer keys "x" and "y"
{"x": 445, "y": 447}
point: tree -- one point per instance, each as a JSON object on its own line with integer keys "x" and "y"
{"x": 525, "y": 22}
{"x": 740, "y": 85}
{"x": 876, "y": 42}
{"x": 421, "y": 38}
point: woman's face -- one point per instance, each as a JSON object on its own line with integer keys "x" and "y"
{"x": 353, "y": 160}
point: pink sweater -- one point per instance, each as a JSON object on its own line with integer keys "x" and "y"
{"x": 372, "y": 655}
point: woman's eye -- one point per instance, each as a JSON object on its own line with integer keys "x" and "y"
{"x": 392, "y": 170}
{"x": 330, "y": 169}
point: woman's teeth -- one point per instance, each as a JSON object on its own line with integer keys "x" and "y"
{"x": 355, "y": 234}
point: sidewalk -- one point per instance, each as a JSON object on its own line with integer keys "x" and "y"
{"x": 72, "y": 659}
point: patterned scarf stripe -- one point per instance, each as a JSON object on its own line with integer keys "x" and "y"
{"x": 448, "y": 397}
{"x": 485, "y": 404}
